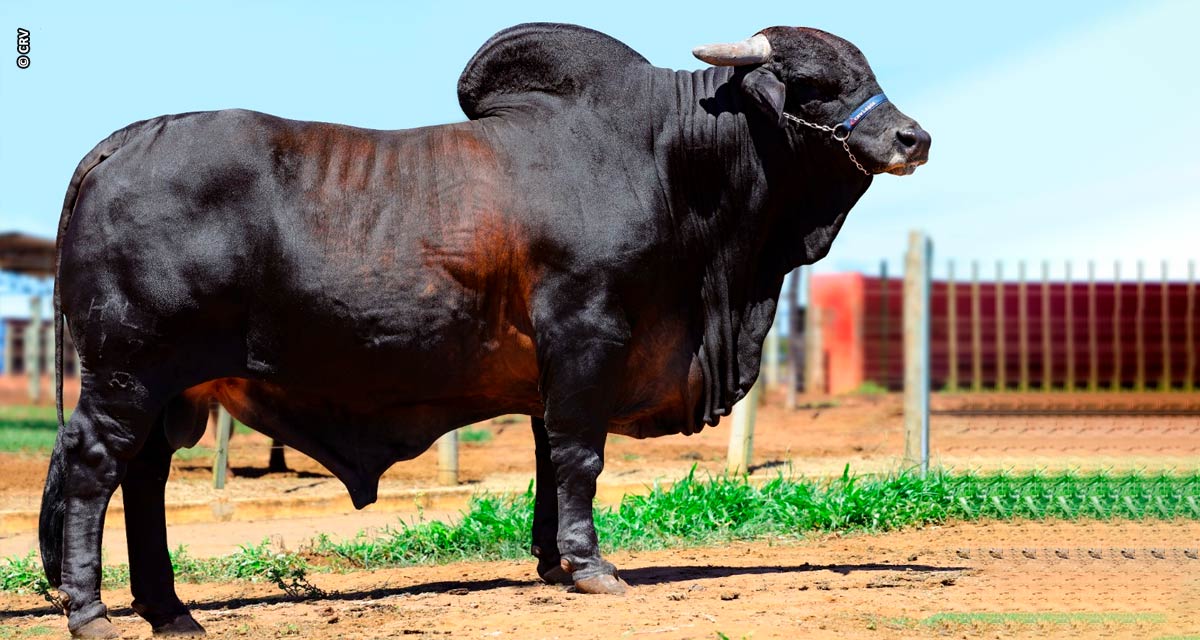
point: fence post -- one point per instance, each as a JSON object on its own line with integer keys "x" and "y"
{"x": 952, "y": 326}
{"x": 771, "y": 371}
{"x": 1023, "y": 325}
{"x": 976, "y": 331}
{"x": 814, "y": 356}
{"x": 916, "y": 351}
{"x": 1093, "y": 345}
{"x": 48, "y": 350}
{"x": 10, "y": 340}
{"x": 1001, "y": 382}
{"x": 1139, "y": 382}
{"x": 33, "y": 349}
{"x": 794, "y": 363}
{"x": 1117, "y": 378}
{"x": 1069, "y": 321}
{"x": 884, "y": 364}
{"x": 1164, "y": 383}
{"x": 1189, "y": 379}
{"x": 447, "y": 447}
{"x": 1047, "y": 340}
{"x": 221, "y": 463}
{"x": 741, "y": 432}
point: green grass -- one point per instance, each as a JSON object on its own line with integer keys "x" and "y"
{"x": 473, "y": 435}
{"x": 27, "y": 429}
{"x": 698, "y": 512}
{"x": 693, "y": 512}
{"x": 1052, "y": 617}
{"x": 7, "y": 632}
{"x": 32, "y": 429}
{"x": 951, "y": 621}
{"x": 870, "y": 388}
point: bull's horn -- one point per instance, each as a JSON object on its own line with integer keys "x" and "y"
{"x": 753, "y": 50}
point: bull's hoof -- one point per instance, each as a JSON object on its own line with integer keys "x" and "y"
{"x": 603, "y": 583}
{"x": 100, "y": 628}
{"x": 183, "y": 626}
{"x": 556, "y": 575}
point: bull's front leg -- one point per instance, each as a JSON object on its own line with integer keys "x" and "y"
{"x": 545, "y": 511}
{"x": 581, "y": 353}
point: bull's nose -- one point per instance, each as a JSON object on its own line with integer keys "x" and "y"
{"x": 914, "y": 141}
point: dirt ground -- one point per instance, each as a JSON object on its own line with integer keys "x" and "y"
{"x": 1117, "y": 580}
{"x": 966, "y": 580}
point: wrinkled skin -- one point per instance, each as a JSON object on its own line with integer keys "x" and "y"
{"x": 600, "y": 247}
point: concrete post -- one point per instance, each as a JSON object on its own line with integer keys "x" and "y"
{"x": 741, "y": 432}
{"x": 771, "y": 354}
{"x": 447, "y": 447}
{"x": 33, "y": 349}
{"x": 916, "y": 351}
{"x": 221, "y": 464}
{"x": 10, "y": 356}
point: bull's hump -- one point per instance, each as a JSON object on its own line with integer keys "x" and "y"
{"x": 522, "y": 63}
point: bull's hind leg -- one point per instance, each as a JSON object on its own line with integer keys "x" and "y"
{"x": 545, "y": 511}
{"x": 152, "y": 580}
{"x": 101, "y": 438}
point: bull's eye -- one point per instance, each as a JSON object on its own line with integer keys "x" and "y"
{"x": 809, "y": 91}
{"x": 815, "y": 89}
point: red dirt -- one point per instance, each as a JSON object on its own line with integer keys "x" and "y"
{"x": 855, "y": 587}
{"x": 884, "y": 586}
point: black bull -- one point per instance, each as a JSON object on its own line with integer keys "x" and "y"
{"x": 600, "y": 247}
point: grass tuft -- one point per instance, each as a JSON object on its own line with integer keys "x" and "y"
{"x": 474, "y": 435}
{"x": 697, "y": 511}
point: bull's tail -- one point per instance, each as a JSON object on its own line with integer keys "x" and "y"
{"x": 50, "y": 524}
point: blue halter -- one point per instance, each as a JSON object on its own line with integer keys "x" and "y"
{"x": 857, "y": 115}
{"x": 842, "y": 130}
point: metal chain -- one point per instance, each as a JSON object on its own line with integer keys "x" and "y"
{"x": 833, "y": 132}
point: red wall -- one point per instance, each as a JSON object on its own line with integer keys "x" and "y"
{"x": 863, "y": 329}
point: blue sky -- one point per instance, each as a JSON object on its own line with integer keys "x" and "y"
{"x": 1062, "y": 130}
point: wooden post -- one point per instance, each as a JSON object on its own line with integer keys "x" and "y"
{"x": 794, "y": 363}
{"x": 1117, "y": 381}
{"x": 10, "y": 356}
{"x": 1164, "y": 383}
{"x": 772, "y": 354}
{"x": 1093, "y": 339}
{"x": 1023, "y": 325}
{"x": 1047, "y": 340}
{"x": 814, "y": 356}
{"x": 48, "y": 333}
{"x": 447, "y": 448}
{"x": 221, "y": 464}
{"x": 1001, "y": 362}
{"x": 952, "y": 326}
{"x": 885, "y": 366}
{"x": 741, "y": 432}
{"x": 976, "y": 331}
{"x": 1139, "y": 382}
{"x": 33, "y": 349}
{"x": 1069, "y": 321}
{"x": 1189, "y": 340}
{"x": 916, "y": 351}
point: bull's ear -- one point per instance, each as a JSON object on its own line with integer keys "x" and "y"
{"x": 766, "y": 91}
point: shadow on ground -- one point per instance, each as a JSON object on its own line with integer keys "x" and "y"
{"x": 635, "y": 577}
